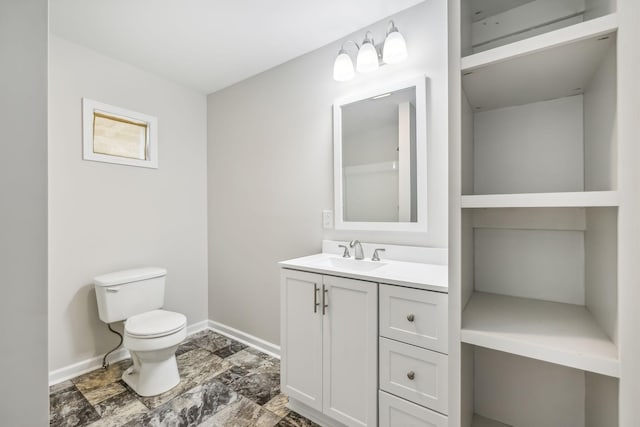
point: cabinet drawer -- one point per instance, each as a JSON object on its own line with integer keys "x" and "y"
{"x": 414, "y": 373}
{"x": 414, "y": 316}
{"x": 396, "y": 412}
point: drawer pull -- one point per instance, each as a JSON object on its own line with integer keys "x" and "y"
{"x": 410, "y": 317}
{"x": 325, "y": 293}
{"x": 411, "y": 375}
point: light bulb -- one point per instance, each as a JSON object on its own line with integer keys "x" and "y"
{"x": 343, "y": 67}
{"x": 367, "y": 59}
{"x": 395, "y": 48}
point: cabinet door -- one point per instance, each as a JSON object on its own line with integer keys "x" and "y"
{"x": 301, "y": 337}
{"x": 350, "y": 351}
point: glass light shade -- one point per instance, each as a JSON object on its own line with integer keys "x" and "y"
{"x": 367, "y": 59}
{"x": 343, "y": 67}
{"x": 395, "y": 48}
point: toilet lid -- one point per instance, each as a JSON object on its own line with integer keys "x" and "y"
{"x": 154, "y": 324}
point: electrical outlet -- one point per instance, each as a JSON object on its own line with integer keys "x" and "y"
{"x": 327, "y": 219}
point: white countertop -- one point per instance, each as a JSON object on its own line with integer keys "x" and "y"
{"x": 431, "y": 277}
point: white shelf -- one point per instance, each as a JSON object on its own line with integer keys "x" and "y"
{"x": 574, "y": 33}
{"x": 480, "y": 421}
{"x": 559, "y": 333}
{"x": 548, "y": 66}
{"x": 532, "y": 200}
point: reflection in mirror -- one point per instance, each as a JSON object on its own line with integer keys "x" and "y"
{"x": 380, "y": 159}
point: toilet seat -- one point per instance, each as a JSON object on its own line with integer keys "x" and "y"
{"x": 154, "y": 324}
{"x": 154, "y": 330}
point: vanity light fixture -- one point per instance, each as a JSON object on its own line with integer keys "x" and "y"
{"x": 343, "y": 67}
{"x": 395, "y": 48}
{"x": 368, "y": 57}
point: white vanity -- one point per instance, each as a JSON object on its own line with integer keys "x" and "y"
{"x": 364, "y": 343}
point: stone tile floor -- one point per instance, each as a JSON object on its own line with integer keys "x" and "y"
{"x": 223, "y": 383}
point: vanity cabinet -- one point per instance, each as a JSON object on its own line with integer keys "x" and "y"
{"x": 329, "y": 345}
{"x": 365, "y": 343}
{"x": 413, "y": 357}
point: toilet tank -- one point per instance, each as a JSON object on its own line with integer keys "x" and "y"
{"x": 122, "y": 294}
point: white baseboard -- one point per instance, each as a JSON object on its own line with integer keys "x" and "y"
{"x": 88, "y": 365}
{"x": 245, "y": 338}
{"x": 197, "y": 327}
{"x": 84, "y": 366}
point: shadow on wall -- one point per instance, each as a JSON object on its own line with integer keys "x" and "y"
{"x": 84, "y": 307}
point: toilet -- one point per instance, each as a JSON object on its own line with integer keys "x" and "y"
{"x": 151, "y": 334}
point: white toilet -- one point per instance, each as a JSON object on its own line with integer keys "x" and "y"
{"x": 151, "y": 335}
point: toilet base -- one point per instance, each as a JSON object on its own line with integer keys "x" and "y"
{"x": 152, "y": 377}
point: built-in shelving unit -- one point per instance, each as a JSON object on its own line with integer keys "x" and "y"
{"x": 540, "y": 282}
{"x": 493, "y": 26}
{"x": 510, "y": 390}
{"x": 539, "y": 207}
{"x": 565, "y": 334}
{"x": 531, "y": 200}
{"x": 543, "y": 123}
{"x": 562, "y": 66}
{"x": 595, "y": 28}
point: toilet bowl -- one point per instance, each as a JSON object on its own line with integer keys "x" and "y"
{"x": 152, "y": 338}
{"x": 151, "y": 335}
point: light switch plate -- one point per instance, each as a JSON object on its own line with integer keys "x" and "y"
{"x": 327, "y": 219}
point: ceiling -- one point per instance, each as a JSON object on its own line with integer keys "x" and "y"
{"x": 211, "y": 44}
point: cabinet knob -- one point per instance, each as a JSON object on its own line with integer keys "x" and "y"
{"x": 410, "y": 317}
{"x": 411, "y": 375}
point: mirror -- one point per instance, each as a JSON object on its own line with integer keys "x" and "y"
{"x": 380, "y": 159}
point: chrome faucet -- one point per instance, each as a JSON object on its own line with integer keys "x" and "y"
{"x": 346, "y": 253}
{"x": 376, "y": 255}
{"x": 358, "y": 254}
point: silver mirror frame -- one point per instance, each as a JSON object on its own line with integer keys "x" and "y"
{"x": 421, "y": 162}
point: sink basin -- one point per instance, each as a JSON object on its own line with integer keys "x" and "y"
{"x": 349, "y": 264}
{"x": 421, "y": 275}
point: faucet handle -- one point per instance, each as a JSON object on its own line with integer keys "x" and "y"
{"x": 346, "y": 253}
{"x": 375, "y": 256}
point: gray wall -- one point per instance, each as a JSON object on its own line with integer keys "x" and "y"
{"x": 105, "y": 217}
{"x": 23, "y": 215}
{"x": 270, "y": 167}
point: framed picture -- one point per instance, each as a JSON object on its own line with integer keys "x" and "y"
{"x": 114, "y": 135}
